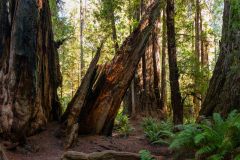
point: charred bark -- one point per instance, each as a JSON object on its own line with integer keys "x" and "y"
{"x": 29, "y": 69}
{"x": 223, "y": 92}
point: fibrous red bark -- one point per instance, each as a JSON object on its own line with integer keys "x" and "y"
{"x": 70, "y": 117}
{"x": 147, "y": 79}
{"x": 29, "y": 69}
{"x": 223, "y": 92}
{"x": 104, "y": 98}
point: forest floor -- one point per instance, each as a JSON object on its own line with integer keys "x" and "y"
{"x": 48, "y": 147}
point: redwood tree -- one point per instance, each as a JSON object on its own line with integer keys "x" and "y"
{"x": 176, "y": 98}
{"x": 223, "y": 94}
{"x": 29, "y": 69}
{"x": 107, "y": 91}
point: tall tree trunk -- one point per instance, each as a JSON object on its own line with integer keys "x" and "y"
{"x": 82, "y": 17}
{"x": 113, "y": 26}
{"x": 148, "y": 75}
{"x": 176, "y": 98}
{"x": 74, "y": 108}
{"x": 29, "y": 69}
{"x": 223, "y": 92}
{"x": 102, "y": 104}
{"x": 198, "y": 50}
{"x": 156, "y": 66}
{"x": 147, "y": 81}
{"x": 163, "y": 73}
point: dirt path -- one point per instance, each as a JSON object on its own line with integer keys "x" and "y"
{"x": 50, "y": 147}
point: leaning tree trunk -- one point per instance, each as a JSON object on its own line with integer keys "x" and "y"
{"x": 147, "y": 81}
{"x": 223, "y": 94}
{"x": 29, "y": 69}
{"x": 74, "y": 108}
{"x": 104, "y": 99}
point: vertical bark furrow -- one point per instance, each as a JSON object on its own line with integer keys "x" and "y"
{"x": 29, "y": 72}
{"x": 223, "y": 94}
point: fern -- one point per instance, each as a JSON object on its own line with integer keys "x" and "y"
{"x": 145, "y": 155}
{"x": 213, "y": 139}
{"x": 122, "y": 125}
{"x": 158, "y": 132}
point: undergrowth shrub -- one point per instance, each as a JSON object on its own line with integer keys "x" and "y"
{"x": 145, "y": 155}
{"x": 215, "y": 139}
{"x": 158, "y": 132}
{"x": 122, "y": 125}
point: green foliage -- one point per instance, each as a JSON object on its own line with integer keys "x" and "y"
{"x": 184, "y": 140}
{"x": 122, "y": 125}
{"x": 212, "y": 139}
{"x": 145, "y": 155}
{"x": 158, "y": 132}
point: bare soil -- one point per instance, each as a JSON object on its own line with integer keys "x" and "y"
{"x": 45, "y": 146}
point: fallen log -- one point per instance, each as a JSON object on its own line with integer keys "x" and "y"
{"x": 104, "y": 98}
{"x": 105, "y": 155}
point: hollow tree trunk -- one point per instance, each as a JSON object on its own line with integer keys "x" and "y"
{"x": 70, "y": 117}
{"x": 176, "y": 98}
{"x": 102, "y": 104}
{"x": 29, "y": 69}
{"x": 223, "y": 92}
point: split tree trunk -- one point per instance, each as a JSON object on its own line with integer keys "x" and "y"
{"x": 223, "y": 92}
{"x": 29, "y": 69}
{"x": 70, "y": 117}
{"x": 103, "y": 101}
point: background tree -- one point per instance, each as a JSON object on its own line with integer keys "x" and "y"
{"x": 176, "y": 99}
{"x": 29, "y": 69}
{"x": 223, "y": 91}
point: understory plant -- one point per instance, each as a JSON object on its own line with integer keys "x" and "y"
{"x": 145, "y": 155}
{"x": 213, "y": 139}
{"x": 158, "y": 132}
{"x": 122, "y": 125}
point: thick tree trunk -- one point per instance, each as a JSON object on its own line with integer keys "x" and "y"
{"x": 29, "y": 69}
{"x": 148, "y": 75}
{"x": 176, "y": 98}
{"x": 223, "y": 92}
{"x": 101, "y": 107}
{"x": 70, "y": 117}
{"x": 147, "y": 79}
